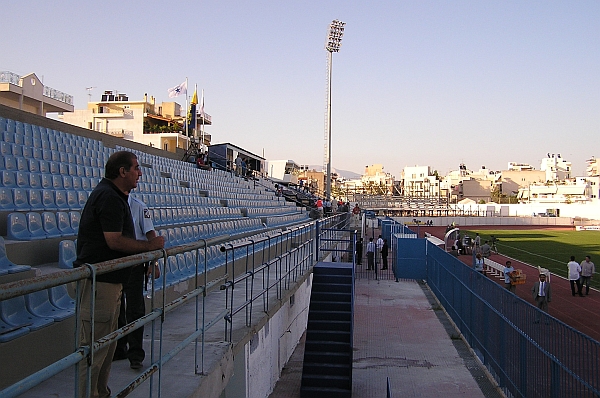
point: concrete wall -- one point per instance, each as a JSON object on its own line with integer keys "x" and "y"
{"x": 260, "y": 358}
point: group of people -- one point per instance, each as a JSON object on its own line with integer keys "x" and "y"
{"x": 326, "y": 207}
{"x": 378, "y": 249}
{"x": 114, "y": 225}
{"x": 241, "y": 167}
{"x": 580, "y": 275}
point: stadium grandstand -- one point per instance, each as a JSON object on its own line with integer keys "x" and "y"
{"x": 246, "y": 276}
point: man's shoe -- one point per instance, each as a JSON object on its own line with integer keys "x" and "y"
{"x": 135, "y": 365}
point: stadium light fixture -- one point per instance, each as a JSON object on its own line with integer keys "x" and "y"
{"x": 333, "y": 44}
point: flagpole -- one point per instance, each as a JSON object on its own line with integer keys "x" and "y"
{"x": 202, "y": 115}
{"x": 186, "y": 111}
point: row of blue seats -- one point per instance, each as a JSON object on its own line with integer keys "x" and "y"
{"x": 275, "y": 221}
{"x": 271, "y": 211}
{"x": 22, "y": 199}
{"x": 49, "y": 165}
{"x": 17, "y": 128}
{"x": 17, "y": 145}
{"x": 192, "y": 214}
{"x": 23, "y": 314}
{"x": 181, "y": 235}
{"x": 34, "y": 226}
{"x": 24, "y": 179}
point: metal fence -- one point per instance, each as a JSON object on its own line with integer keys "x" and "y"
{"x": 260, "y": 268}
{"x": 527, "y": 351}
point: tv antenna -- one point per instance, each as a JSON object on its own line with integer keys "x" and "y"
{"x": 89, "y": 90}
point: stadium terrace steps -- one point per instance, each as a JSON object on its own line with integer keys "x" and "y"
{"x": 327, "y": 369}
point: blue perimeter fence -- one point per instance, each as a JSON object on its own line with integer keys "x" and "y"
{"x": 528, "y": 352}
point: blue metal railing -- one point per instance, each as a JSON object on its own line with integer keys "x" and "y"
{"x": 527, "y": 351}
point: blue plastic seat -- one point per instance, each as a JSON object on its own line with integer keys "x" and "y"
{"x": 20, "y": 199}
{"x": 21, "y": 163}
{"x": 8, "y": 179}
{"x": 59, "y": 297}
{"x": 7, "y": 202}
{"x": 27, "y": 152}
{"x": 67, "y": 254}
{"x": 64, "y": 224}
{"x": 14, "y": 312}
{"x": 35, "y": 181}
{"x": 54, "y": 167}
{"x": 82, "y": 197}
{"x": 38, "y": 304}
{"x": 50, "y": 225}
{"x": 44, "y": 166}
{"x": 60, "y": 198}
{"x": 75, "y": 218}
{"x": 48, "y": 200}
{"x": 47, "y": 154}
{"x": 37, "y": 153}
{"x": 34, "y": 196}
{"x": 5, "y": 148}
{"x": 76, "y": 183}
{"x": 35, "y": 225}
{"x": 22, "y": 179}
{"x": 72, "y": 202}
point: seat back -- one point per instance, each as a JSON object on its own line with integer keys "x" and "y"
{"x": 67, "y": 254}
{"x": 50, "y": 225}
{"x": 35, "y": 225}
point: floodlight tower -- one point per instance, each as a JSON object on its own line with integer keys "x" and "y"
{"x": 333, "y": 44}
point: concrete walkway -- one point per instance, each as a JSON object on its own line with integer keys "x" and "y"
{"x": 401, "y": 334}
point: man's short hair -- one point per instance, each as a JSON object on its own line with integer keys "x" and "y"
{"x": 508, "y": 263}
{"x": 116, "y": 161}
{"x": 572, "y": 258}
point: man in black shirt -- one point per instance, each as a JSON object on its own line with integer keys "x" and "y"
{"x": 106, "y": 232}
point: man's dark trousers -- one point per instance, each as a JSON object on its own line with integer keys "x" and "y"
{"x": 132, "y": 308}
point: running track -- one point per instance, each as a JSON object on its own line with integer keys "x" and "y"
{"x": 581, "y": 313}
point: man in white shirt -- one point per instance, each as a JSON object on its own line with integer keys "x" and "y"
{"x": 574, "y": 276}
{"x": 379, "y": 247}
{"x": 370, "y": 254}
{"x": 132, "y": 304}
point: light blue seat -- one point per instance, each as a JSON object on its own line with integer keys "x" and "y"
{"x": 67, "y": 182}
{"x": 38, "y": 303}
{"x": 5, "y": 148}
{"x": 35, "y": 225}
{"x": 37, "y": 153}
{"x": 47, "y": 154}
{"x": 178, "y": 236}
{"x": 60, "y": 198}
{"x": 27, "y": 152}
{"x": 67, "y": 254}
{"x": 20, "y": 199}
{"x": 50, "y": 225}
{"x": 7, "y": 202}
{"x": 184, "y": 271}
{"x": 48, "y": 201}
{"x": 44, "y": 166}
{"x": 64, "y": 224}
{"x": 72, "y": 202}
{"x": 82, "y": 197}
{"x": 76, "y": 183}
{"x": 21, "y": 162}
{"x": 8, "y": 179}
{"x": 57, "y": 181}
{"x": 35, "y": 180}
{"x": 22, "y": 179}
{"x": 34, "y": 196}
{"x": 75, "y": 218}
{"x": 14, "y": 312}
{"x": 46, "y": 181}
{"x": 59, "y": 297}
{"x": 7, "y": 266}
{"x": 85, "y": 184}
{"x": 54, "y": 167}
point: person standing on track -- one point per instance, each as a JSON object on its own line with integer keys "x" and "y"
{"x": 542, "y": 294}
{"x": 574, "y": 276}
{"x": 509, "y": 277}
{"x": 587, "y": 270}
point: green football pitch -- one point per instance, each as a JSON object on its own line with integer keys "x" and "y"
{"x": 547, "y": 248}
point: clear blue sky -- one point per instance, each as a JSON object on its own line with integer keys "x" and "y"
{"x": 415, "y": 83}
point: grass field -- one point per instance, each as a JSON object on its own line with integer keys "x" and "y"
{"x": 546, "y": 248}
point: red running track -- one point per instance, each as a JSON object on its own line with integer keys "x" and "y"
{"x": 581, "y": 313}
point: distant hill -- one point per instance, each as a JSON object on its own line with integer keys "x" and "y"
{"x": 349, "y": 175}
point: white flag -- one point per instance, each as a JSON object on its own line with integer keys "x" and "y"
{"x": 202, "y": 104}
{"x": 178, "y": 90}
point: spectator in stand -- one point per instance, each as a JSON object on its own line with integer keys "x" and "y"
{"x": 319, "y": 205}
{"x": 106, "y": 232}
{"x": 132, "y": 302}
{"x": 574, "y": 276}
{"x": 244, "y": 168}
{"x": 587, "y": 271}
{"x": 327, "y": 206}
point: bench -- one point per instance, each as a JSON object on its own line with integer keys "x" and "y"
{"x": 494, "y": 268}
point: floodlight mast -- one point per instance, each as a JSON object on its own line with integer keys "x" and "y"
{"x": 333, "y": 44}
